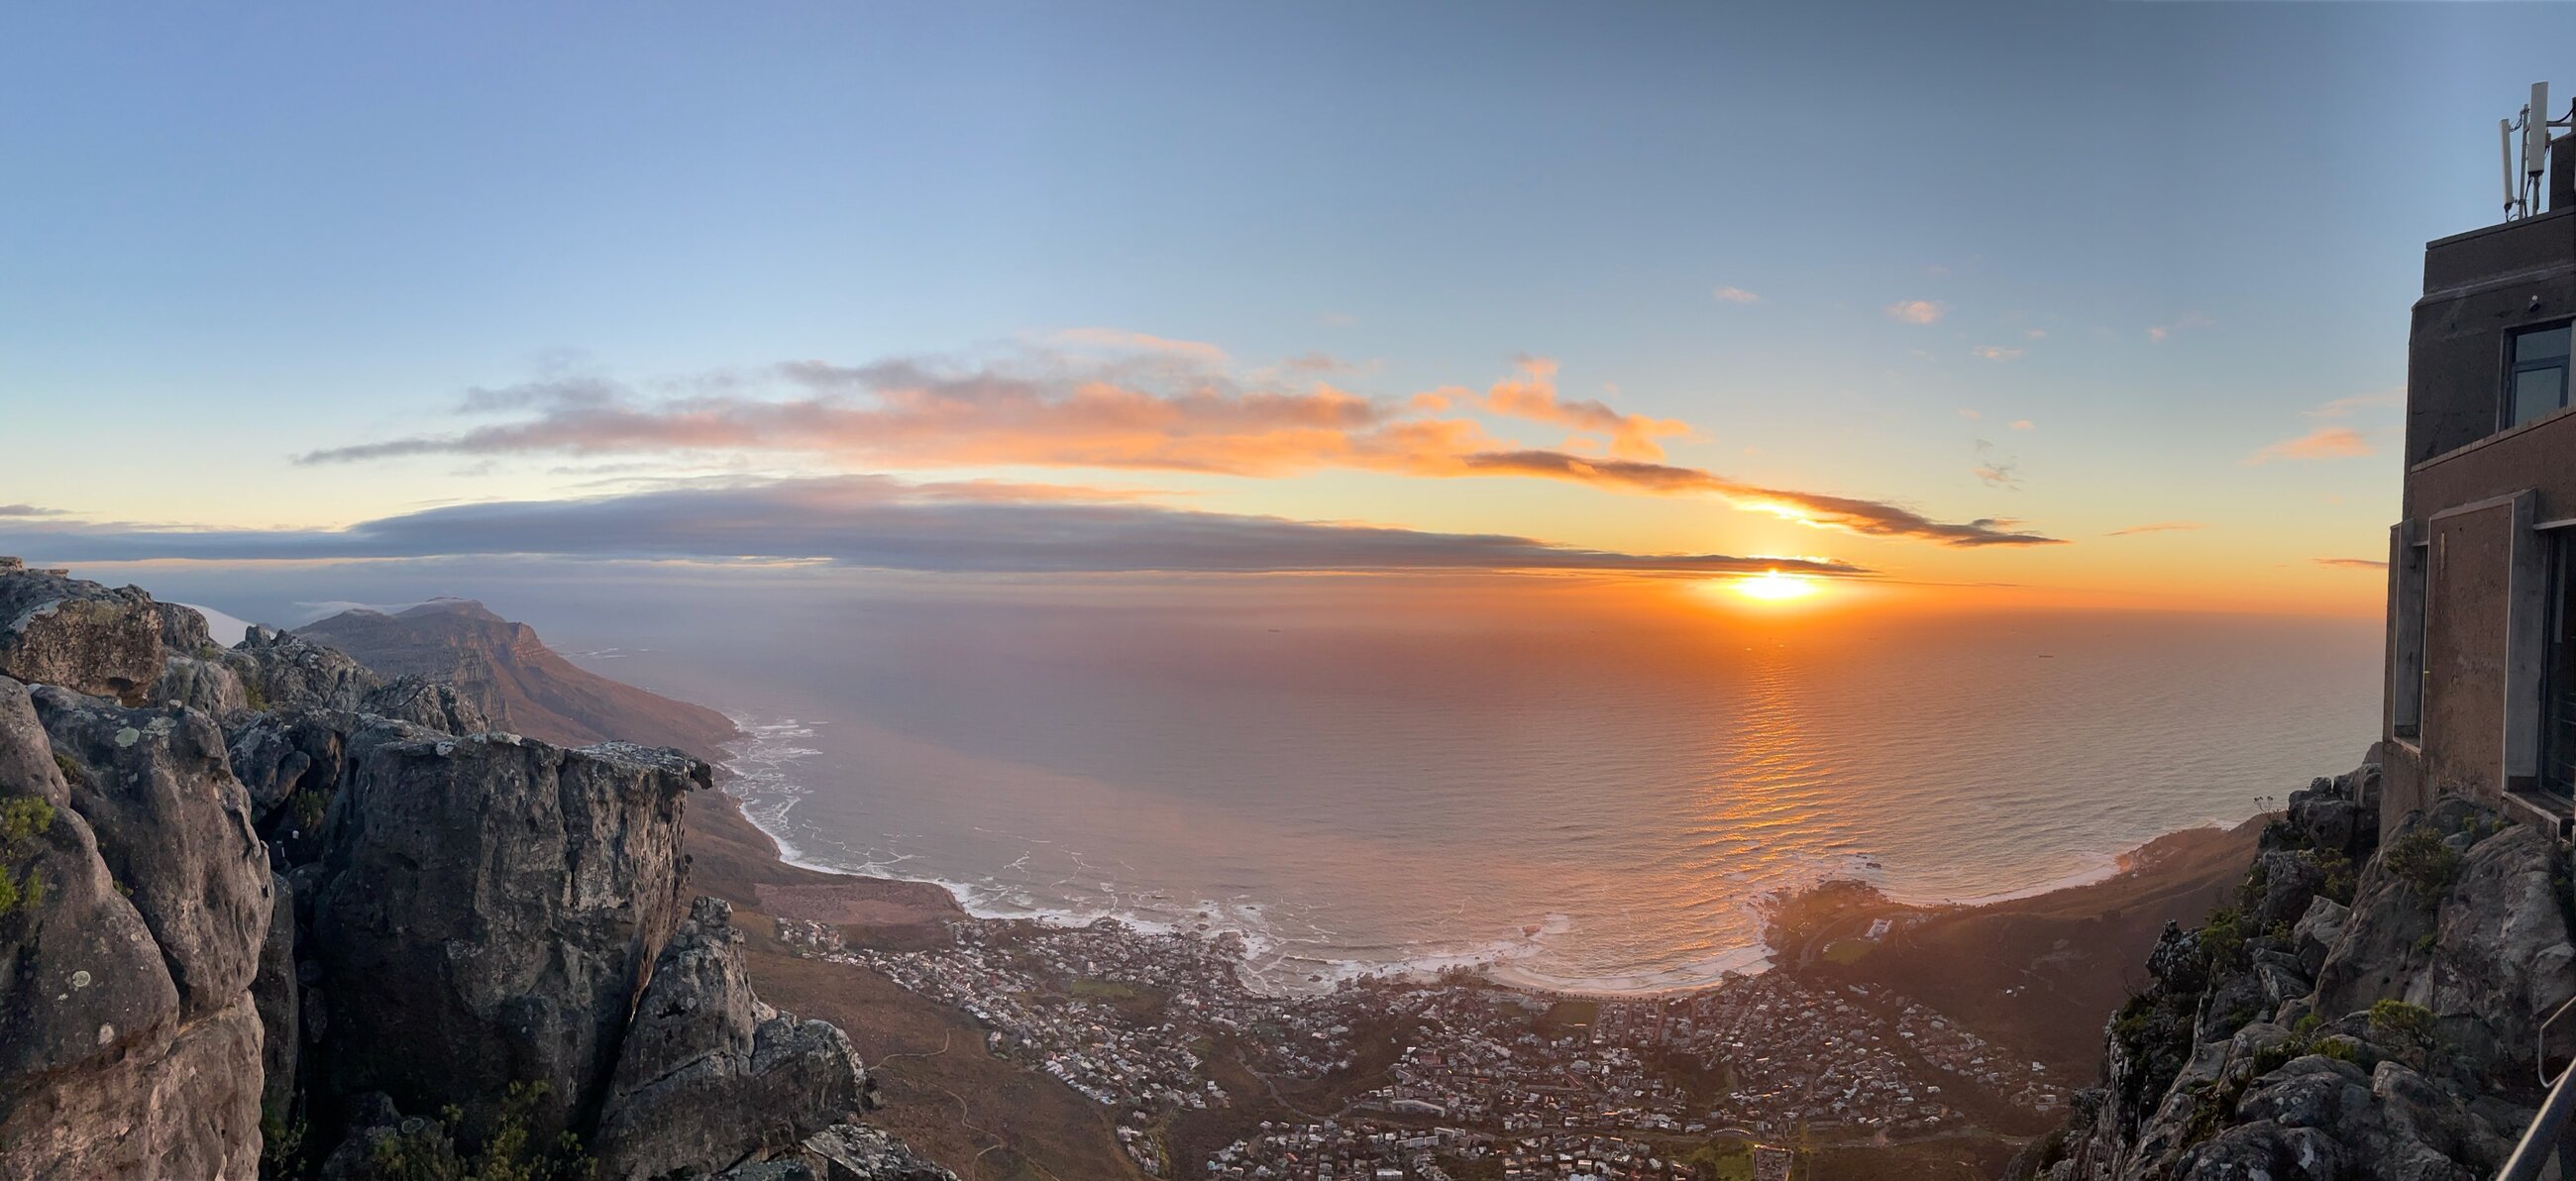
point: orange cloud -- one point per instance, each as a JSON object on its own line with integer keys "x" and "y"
{"x": 2157, "y": 527}
{"x": 1533, "y": 396}
{"x": 1169, "y": 410}
{"x": 2332, "y": 442}
{"x": 1917, "y": 311}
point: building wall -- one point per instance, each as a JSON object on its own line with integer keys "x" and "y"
{"x": 2540, "y": 456}
{"x": 2472, "y": 498}
{"x": 2476, "y": 286}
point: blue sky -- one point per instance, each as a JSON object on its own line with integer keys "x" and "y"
{"x": 236, "y": 237}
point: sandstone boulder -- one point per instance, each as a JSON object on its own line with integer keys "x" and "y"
{"x": 128, "y": 1044}
{"x": 56, "y": 630}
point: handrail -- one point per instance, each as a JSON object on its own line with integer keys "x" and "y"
{"x": 2541, "y": 1140}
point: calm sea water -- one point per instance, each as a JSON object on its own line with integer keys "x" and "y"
{"x": 1572, "y": 799}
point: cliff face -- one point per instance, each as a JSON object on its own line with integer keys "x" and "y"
{"x": 2362, "y": 1012}
{"x": 297, "y": 918}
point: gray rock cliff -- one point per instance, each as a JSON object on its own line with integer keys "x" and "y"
{"x": 709, "y": 1075}
{"x": 256, "y": 904}
{"x": 2365, "y": 1012}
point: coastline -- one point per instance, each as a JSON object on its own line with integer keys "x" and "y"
{"x": 879, "y": 898}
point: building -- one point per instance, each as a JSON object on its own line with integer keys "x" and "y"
{"x": 2481, "y": 675}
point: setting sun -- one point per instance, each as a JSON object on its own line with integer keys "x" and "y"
{"x": 1773, "y": 586}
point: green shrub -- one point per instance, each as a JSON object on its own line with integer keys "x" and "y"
{"x": 281, "y": 1143}
{"x": 22, "y": 820}
{"x": 2250, "y": 891}
{"x": 2403, "y": 1021}
{"x": 426, "y": 1154}
{"x": 2222, "y": 940}
{"x": 2337, "y": 869}
{"x": 72, "y": 773}
{"x": 253, "y": 697}
{"x": 2421, "y": 860}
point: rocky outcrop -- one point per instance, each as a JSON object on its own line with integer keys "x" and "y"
{"x": 58, "y": 630}
{"x": 850, "y": 1152}
{"x": 128, "y": 1042}
{"x": 174, "y": 829}
{"x": 2365, "y": 1012}
{"x": 290, "y": 889}
{"x": 280, "y": 670}
{"x": 492, "y": 905}
{"x": 710, "y": 1075}
{"x": 423, "y": 702}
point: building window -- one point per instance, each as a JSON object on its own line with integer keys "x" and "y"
{"x": 2537, "y": 384}
{"x": 2558, "y": 676}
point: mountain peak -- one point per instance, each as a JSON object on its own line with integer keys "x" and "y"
{"x": 444, "y": 605}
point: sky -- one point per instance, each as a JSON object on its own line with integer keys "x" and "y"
{"x": 2078, "y": 304}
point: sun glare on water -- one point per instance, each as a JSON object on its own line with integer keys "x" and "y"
{"x": 1771, "y": 586}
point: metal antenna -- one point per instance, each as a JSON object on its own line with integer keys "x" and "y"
{"x": 2504, "y": 146}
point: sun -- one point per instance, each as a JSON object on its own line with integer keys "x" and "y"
{"x": 1772, "y": 586}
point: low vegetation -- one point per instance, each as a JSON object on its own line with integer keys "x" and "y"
{"x": 2420, "y": 859}
{"x": 422, "y": 1151}
{"x": 22, "y": 820}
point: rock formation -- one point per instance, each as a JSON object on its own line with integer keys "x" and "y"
{"x": 710, "y": 1075}
{"x": 2365, "y": 1012}
{"x": 259, "y": 903}
{"x": 129, "y": 1044}
{"x": 515, "y": 952}
{"x": 57, "y": 630}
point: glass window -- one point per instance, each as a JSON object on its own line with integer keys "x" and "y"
{"x": 2537, "y": 392}
{"x": 2538, "y": 383}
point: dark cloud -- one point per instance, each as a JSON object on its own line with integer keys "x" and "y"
{"x": 877, "y": 522}
{"x": 1872, "y": 517}
{"x": 2354, "y": 563}
{"x": 28, "y": 510}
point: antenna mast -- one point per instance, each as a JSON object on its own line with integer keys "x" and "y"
{"x": 2523, "y": 190}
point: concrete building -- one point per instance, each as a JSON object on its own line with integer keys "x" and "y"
{"x": 2481, "y": 674}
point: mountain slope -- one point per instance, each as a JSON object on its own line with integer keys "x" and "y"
{"x": 522, "y": 684}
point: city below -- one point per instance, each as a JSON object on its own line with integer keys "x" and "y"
{"x": 1460, "y": 1078}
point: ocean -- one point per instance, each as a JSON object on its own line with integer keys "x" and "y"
{"x": 1559, "y": 792}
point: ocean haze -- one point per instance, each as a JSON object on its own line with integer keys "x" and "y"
{"x": 1570, "y": 781}
{"x": 1575, "y": 797}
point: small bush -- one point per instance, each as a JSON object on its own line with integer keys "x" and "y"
{"x": 2403, "y": 1021}
{"x": 253, "y": 697}
{"x": 426, "y": 1154}
{"x": 2222, "y": 940}
{"x": 281, "y": 1143}
{"x": 309, "y": 806}
{"x": 72, "y": 773}
{"x": 22, "y": 820}
{"x": 2421, "y": 860}
{"x": 2337, "y": 869}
